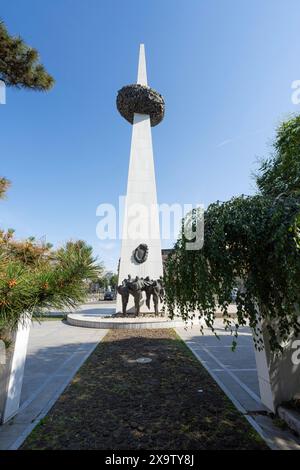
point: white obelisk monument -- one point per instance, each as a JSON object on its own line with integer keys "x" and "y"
{"x": 141, "y": 215}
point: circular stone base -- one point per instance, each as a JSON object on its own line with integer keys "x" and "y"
{"x": 97, "y": 321}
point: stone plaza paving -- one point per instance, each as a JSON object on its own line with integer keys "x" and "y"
{"x": 57, "y": 350}
{"x": 236, "y": 374}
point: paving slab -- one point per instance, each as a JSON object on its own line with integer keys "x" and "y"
{"x": 235, "y": 372}
{"x": 56, "y": 350}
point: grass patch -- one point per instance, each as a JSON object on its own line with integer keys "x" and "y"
{"x": 171, "y": 402}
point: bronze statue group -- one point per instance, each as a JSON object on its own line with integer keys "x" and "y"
{"x": 135, "y": 287}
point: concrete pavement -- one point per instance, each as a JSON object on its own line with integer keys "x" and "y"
{"x": 55, "y": 353}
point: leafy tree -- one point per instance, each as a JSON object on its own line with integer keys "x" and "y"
{"x": 113, "y": 281}
{"x": 252, "y": 242}
{"x": 19, "y": 64}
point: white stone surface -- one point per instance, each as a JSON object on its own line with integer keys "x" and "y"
{"x": 141, "y": 216}
{"x": 17, "y": 364}
{"x": 142, "y": 71}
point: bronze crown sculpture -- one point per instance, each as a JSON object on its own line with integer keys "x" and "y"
{"x": 140, "y": 99}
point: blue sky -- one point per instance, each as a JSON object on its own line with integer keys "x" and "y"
{"x": 225, "y": 68}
